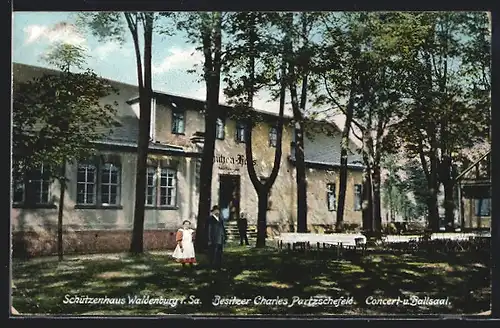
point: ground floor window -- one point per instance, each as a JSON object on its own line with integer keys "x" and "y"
{"x": 31, "y": 188}
{"x": 98, "y": 182}
{"x": 161, "y": 190}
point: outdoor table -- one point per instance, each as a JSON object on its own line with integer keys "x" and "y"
{"x": 340, "y": 240}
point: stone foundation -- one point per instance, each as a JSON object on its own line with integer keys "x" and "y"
{"x": 26, "y": 244}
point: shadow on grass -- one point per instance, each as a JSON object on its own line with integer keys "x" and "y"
{"x": 43, "y": 286}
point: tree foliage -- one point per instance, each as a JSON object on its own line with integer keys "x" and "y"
{"x": 448, "y": 92}
{"x": 57, "y": 117}
{"x": 404, "y": 190}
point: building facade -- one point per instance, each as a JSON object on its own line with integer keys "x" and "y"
{"x": 99, "y": 202}
{"x": 475, "y": 195}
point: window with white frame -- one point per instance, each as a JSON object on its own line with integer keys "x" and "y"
{"x": 32, "y": 188}
{"x": 358, "y": 197}
{"x": 331, "y": 197}
{"x": 177, "y": 122}
{"x": 41, "y": 186}
{"x": 273, "y": 136}
{"x": 240, "y": 132}
{"x": 110, "y": 184}
{"x": 98, "y": 184}
{"x": 220, "y": 129}
{"x": 86, "y": 184}
{"x": 161, "y": 189}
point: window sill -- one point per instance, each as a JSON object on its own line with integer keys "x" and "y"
{"x": 178, "y": 133}
{"x": 152, "y": 207}
{"x": 98, "y": 207}
{"x": 35, "y": 206}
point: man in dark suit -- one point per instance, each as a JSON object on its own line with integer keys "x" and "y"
{"x": 216, "y": 238}
{"x": 242, "y": 228}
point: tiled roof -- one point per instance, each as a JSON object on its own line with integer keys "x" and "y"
{"x": 126, "y": 131}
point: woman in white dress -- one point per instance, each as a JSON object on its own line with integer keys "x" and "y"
{"x": 184, "y": 252}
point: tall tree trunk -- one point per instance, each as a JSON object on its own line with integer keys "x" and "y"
{"x": 368, "y": 213}
{"x": 298, "y": 119}
{"x": 211, "y": 36}
{"x": 262, "y": 219}
{"x": 433, "y": 205}
{"x": 145, "y": 96}
{"x": 62, "y": 183}
{"x": 263, "y": 190}
{"x": 300, "y": 168}
{"x": 376, "y": 178}
{"x": 433, "y": 212}
{"x": 367, "y": 205}
{"x": 391, "y": 204}
{"x": 377, "y": 217}
{"x": 430, "y": 169}
{"x": 343, "y": 162}
{"x": 449, "y": 193}
{"x": 449, "y": 206}
{"x": 206, "y": 171}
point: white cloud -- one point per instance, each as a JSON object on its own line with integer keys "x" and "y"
{"x": 179, "y": 59}
{"x": 103, "y": 51}
{"x": 62, "y": 32}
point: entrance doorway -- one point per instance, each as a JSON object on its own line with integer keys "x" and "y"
{"x": 229, "y": 194}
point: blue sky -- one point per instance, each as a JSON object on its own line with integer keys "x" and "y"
{"x": 34, "y": 32}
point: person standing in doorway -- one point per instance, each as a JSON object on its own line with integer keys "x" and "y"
{"x": 234, "y": 206}
{"x": 216, "y": 238}
{"x": 242, "y": 228}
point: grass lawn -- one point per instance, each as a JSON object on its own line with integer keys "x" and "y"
{"x": 43, "y": 285}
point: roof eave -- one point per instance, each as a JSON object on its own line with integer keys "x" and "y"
{"x": 316, "y": 164}
{"x": 153, "y": 149}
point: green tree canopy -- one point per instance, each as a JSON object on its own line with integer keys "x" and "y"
{"x": 58, "y": 116}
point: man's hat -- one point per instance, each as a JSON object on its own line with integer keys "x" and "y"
{"x": 215, "y": 208}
